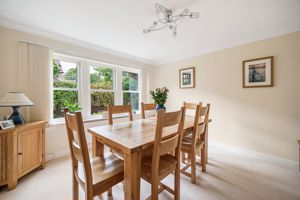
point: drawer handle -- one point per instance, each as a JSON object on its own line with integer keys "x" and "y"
{"x": 20, "y": 153}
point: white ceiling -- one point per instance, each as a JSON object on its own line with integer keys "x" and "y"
{"x": 117, "y": 24}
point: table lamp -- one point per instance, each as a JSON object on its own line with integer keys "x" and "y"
{"x": 15, "y": 100}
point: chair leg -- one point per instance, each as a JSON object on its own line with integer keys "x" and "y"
{"x": 183, "y": 157}
{"x": 154, "y": 191}
{"x": 193, "y": 168}
{"x": 75, "y": 188}
{"x": 109, "y": 194}
{"x": 177, "y": 184}
{"x": 189, "y": 157}
{"x": 88, "y": 196}
{"x": 203, "y": 159}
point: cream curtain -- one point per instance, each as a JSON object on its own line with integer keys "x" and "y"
{"x": 34, "y": 80}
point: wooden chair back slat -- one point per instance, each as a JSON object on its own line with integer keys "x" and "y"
{"x": 168, "y": 145}
{"x": 77, "y": 152}
{"x": 203, "y": 111}
{"x": 72, "y": 123}
{"x": 78, "y": 145}
{"x": 191, "y": 106}
{"x": 201, "y": 120}
{"x": 118, "y": 109}
{"x": 147, "y": 107}
{"x": 201, "y": 129}
{"x": 171, "y": 118}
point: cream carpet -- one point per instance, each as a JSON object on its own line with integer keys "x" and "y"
{"x": 229, "y": 176}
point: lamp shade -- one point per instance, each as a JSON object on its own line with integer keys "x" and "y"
{"x": 15, "y": 99}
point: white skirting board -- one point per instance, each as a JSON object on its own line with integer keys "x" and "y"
{"x": 63, "y": 153}
{"x": 212, "y": 144}
{"x": 248, "y": 152}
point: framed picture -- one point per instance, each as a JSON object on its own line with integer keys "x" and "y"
{"x": 258, "y": 72}
{"x": 7, "y": 124}
{"x": 187, "y": 77}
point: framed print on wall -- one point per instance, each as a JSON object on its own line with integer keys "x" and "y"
{"x": 258, "y": 72}
{"x": 187, "y": 77}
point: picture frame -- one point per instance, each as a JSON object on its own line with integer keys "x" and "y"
{"x": 6, "y": 124}
{"x": 258, "y": 72}
{"x": 187, "y": 78}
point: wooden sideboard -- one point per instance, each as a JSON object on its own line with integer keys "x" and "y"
{"x": 22, "y": 149}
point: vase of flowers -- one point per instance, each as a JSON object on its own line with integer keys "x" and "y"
{"x": 160, "y": 96}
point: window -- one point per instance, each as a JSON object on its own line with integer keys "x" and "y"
{"x": 91, "y": 86}
{"x": 130, "y": 87}
{"x": 65, "y": 86}
{"x": 102, "y": 89}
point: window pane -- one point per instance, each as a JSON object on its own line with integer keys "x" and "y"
{"x": 101, "y": 78}
{"x": 100, "y": 101}
{"x": 64, "y": 74}
{"x": 132, "y": 98}
{"x": 63, "y": 99}
{"x": 130, "y": 81}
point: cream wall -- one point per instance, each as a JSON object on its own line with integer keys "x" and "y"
{"x": 56, "y": 140}
{"x": 265, "y": 120}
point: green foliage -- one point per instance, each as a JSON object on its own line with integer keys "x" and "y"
{"x": 132, "y": 98}
{"x": 130, "y": 81}
{"x": 63, "y": 99}
{"x": 102, "y": 85}
{"x": 64, "y": 84}
{"x": 102, "y": 75}
{"x": 102, "y": 78}
{"x": 71, "y": 74}
{"x": 100, "y": 101}
{"x": 160, "y": 95}
{"x": 56, "y": 69}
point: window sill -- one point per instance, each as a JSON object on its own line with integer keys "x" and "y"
{"x": 60, "y": 121}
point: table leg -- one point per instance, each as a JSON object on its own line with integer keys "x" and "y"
{"x": 97, "y": 147}
{"x": 132, "y": 174}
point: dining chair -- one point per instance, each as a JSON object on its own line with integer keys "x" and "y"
{"x": 163, "y": 162}
{"x": 190, "y": 107}
{"x": 147, "y": 107}
{"x": 119, "y": 109}
{"x": 196, "y": 144}
{"x": 96, "y": 175}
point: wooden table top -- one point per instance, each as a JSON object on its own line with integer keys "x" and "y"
{"x": 134, "y": 135}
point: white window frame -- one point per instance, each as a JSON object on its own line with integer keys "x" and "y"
{"x": 99, "y": 64}
{"x": 78, "y": 89}
{"x": 83, "y": 85}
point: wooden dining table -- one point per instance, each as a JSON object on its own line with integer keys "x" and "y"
{"x": 131, "y": 138}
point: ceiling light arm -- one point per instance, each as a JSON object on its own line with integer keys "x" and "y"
{"x": 157, "y": 29}
{"x": 165, "y": 18}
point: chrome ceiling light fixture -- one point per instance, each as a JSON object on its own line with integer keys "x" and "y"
{"x": 166, "y": 19}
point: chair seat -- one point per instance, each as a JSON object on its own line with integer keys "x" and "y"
{"x": 167, "y": 164}
{"x": 104, "y": 170}
{"x": 186, "y": 145}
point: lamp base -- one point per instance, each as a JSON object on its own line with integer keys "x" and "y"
{"x": 16, "y": 116}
